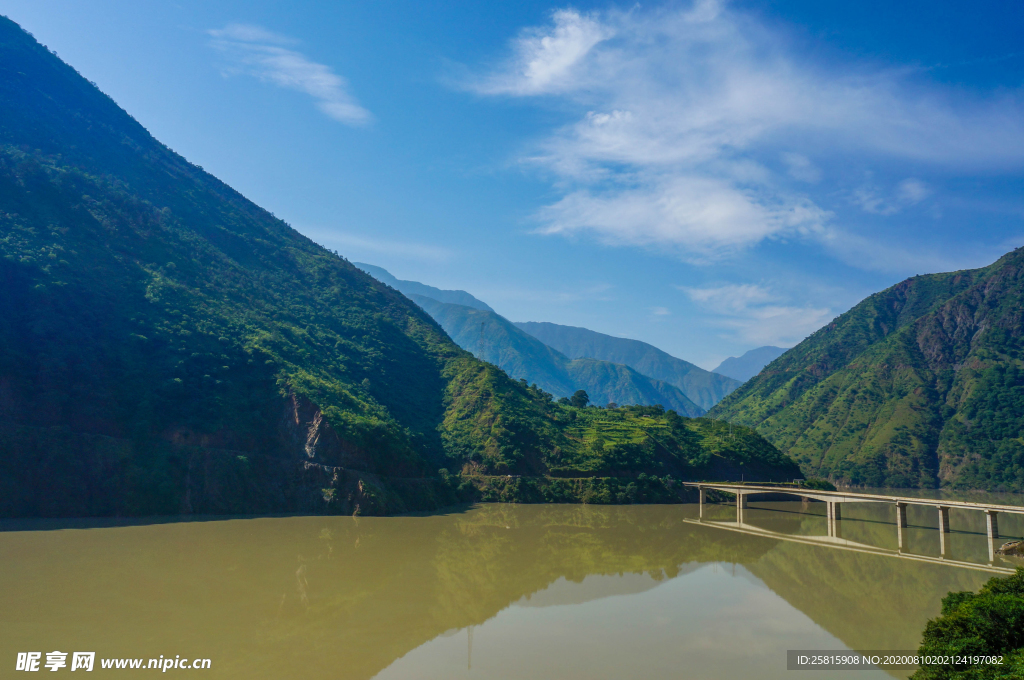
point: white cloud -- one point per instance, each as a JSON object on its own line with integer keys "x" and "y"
{"x": 255, "y": 51}
{"x": 731, "y": 298}
{"x": 706, "y": 216}
{"x": 681, "y": 112}
{"x": 544, "y": 59}
{"x": 910, "y": 191}
{"x": 660, "y": 311}
{"x": 755, "y": 315}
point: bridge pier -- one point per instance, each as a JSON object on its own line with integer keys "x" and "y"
{"x": 943, "y": 528}
{"x": 741, "y": 506}
{"x": 901, "y": 515}
{"x": 901, "y": 524}
{"x": 992, "y": 523}
{"x": 834, "y": 514}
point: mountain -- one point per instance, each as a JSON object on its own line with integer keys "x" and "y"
{"x": 702, "y": 387}
{"x": 745, "y": 367}
{"x": 917, "y": 386}
{"x": 456, "y": 297}
{"x": 167, "y": 346}
{"x": 495, "y": 339}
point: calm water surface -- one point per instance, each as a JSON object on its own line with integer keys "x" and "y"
{"x": 497, "y": 591}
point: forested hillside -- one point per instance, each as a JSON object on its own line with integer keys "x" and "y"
{"x": 919, "y": 385}
{"x": 168, "y": 346}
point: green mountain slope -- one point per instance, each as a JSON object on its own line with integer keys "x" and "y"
{"x": 456, "y": 297}
{"x": 745, "y": 367}
{"x": 918, "y": 385}
{"x": 168, "y": 346}
{"x": 493, "y": 338}
{"x": 704, "y": 388}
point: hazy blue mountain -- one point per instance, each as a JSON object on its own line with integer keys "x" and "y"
{"x": 456, "y": 297}
{"x": 704, "y": 388}
{"x": 745, "y": 367}
{"x": 493, "y": 338}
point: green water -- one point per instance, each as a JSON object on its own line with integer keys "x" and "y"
{"x": 496, "y": 591}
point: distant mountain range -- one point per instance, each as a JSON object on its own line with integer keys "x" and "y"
{"x": 919, "y": 385}
{"x": 456, "y": 297}
{"x": 563, "y": 359}
{"x": 745, "y": 367}
{"x": 703, "y": 387}
{"x": 494, "y": 338}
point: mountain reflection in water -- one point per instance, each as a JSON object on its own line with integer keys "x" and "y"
{"x": 497, "y": 591}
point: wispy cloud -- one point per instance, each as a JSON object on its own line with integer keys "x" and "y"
{"x": 684, "y": 114}
{"x": 595, "y": 292}
{"x": 909, "y": 192}
{"x": 756, "y": 315}
{"x": 255, "y": 51}
{"x": 545, "y": 58}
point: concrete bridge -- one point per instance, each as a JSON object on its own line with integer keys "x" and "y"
{"x": 834, "y": 499}
{"x": 853, "y": 546}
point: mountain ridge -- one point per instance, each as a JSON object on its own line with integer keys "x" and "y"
{"x": 919, "y": 385}
{"x": 702, "y": 387}
{"x": 523, "y": 356}
{"x": 750, "y": 363}
{"x": 456, "y": 297}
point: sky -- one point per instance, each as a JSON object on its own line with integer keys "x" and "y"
{"x": 709, "y": 177}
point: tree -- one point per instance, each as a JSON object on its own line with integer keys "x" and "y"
{"x": 987, "y": 623}
{"x": 580, "y": 399}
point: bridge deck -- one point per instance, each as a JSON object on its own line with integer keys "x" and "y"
{"x": 851, "y": 497}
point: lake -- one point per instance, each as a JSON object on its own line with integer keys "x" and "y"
{"x": 492, "y": 591}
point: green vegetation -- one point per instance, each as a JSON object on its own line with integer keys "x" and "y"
{"x": 987, "y": 623}
{"x": 703, "y": 388}
{"x": 819, "y": 484}
{"x": 917, "y": 386}
{"x": 493, "y": 338}
{"x": 167, "y": 346}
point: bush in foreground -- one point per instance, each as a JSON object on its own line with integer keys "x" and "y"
{"x": 987, "y": 623}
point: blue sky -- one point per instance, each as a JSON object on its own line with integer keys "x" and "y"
{"x": 708, "y": 177}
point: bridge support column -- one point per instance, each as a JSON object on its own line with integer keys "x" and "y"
{"x": 901, "y": 524}
{"x": 943, "y": 519}
{"x": 703, "y": 499}
{"x": 992, "y": 523}
{"x": 741, "y": 506}
{"x": 901, "y": 515}
{"x": 834, "y": 514}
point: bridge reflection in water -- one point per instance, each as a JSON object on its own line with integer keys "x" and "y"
{"x": 833, "y": 537}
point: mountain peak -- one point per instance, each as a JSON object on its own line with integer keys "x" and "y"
{"x": 455, "y": 297}
{"x": 745, "y": 367}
